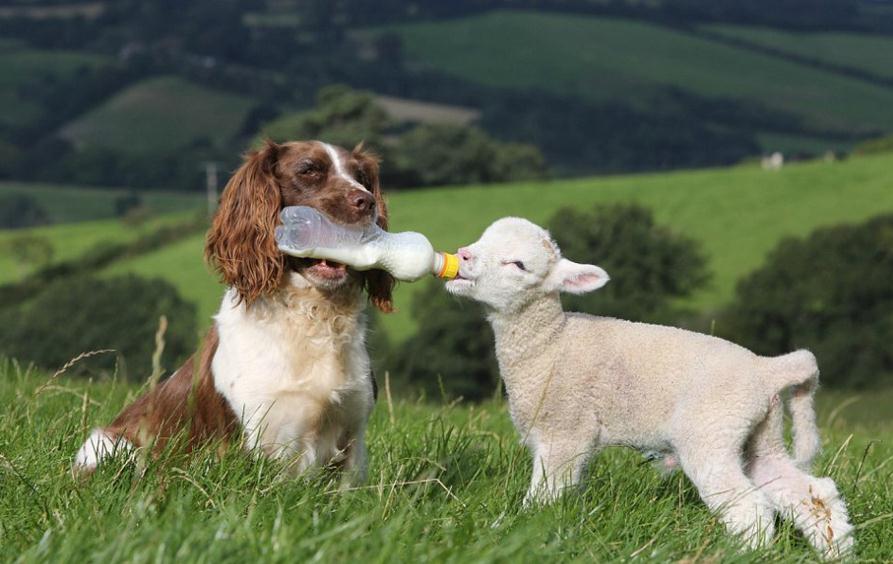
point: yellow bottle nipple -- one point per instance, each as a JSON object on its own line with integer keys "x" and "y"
{"x": 450, "y": 267}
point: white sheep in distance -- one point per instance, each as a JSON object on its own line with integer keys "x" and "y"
{"x": 577, "y": 382}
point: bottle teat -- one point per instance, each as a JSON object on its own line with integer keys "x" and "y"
{"x": 448, "y": 265}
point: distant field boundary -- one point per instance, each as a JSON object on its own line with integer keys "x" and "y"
{"x": 96, "y": 259}
{"x": 843, "y": 70}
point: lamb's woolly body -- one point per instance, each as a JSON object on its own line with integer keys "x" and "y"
{"x": 578, "y": 382}
{"x": 307, "y": 360}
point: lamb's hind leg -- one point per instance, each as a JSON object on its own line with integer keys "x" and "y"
{"x": 813, "y": 504}
{"x": 716, "y": 470}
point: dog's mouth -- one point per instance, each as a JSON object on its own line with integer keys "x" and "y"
{"x": 327, "y": 269}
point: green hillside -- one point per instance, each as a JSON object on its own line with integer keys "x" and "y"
{"x": 65, "y": 204}
{"x": 71, "y": 240}
{"x": 158, "y": 116}
{"x": 600, "y": 58}
{"x": 738, "y": 215}
{"x": 870, "y": 53}
{"x": 22, "y": 67}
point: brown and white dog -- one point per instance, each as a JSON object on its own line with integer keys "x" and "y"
{"x": 285, "y": 364}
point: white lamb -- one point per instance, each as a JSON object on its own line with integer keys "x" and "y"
{"x": 577, "y": 382}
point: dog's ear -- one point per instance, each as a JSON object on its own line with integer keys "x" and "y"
{"x": 241, "y": 244}
{"x": 379, "y": 284}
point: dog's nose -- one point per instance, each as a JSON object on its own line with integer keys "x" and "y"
{"x": 464, "y": 254}
{"x": 362, "y": 200}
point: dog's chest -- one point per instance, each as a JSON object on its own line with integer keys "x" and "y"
{"x": 289, "y": 371}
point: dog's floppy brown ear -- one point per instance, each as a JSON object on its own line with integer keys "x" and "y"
{"x": 241, "y": 243}
{"x": 379, "y": 284}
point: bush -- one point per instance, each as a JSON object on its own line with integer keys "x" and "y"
{"x": 830, "y": 293}
{"x": 452, "y": 353}
{"x": 650, "y": 266}
{"x": 84, "y": 314}
{"x": 18, "y": 211}
{"x": 451, "y": 154}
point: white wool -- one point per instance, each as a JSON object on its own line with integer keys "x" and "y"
{"x": 577, "y": 383}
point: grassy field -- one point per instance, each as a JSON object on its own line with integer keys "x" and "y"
{"x": 71, "y": 240}
{"x": 20, "y": 66}
{"x": 69, "y": 204}
{"x": 159, "y": 115}
{"x": 737, "y": 214}
{"x": 445, "y": 484}
{"x": 517, "y": 49}
{"x": 871, "y": 53}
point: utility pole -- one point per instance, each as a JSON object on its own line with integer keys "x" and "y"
{"x": 211, "y": 186}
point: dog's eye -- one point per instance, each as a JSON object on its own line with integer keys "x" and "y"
{"x": 516, "y": 263}
{"x": 308, "y": 168}
{"x": 362, "y": 178}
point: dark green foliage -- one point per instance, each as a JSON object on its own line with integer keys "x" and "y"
{"x": 831, "y": 293}
{"x": 21, "y": 210}
{"x": 86, "y": 314}
{"x": 650, "y": 266}
{"x": 127, "y": 203}
{"x": 452, "y": 353}
{"x": 453, "y": 154}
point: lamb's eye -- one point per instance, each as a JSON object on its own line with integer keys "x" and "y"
{"x": 517, "y": 263}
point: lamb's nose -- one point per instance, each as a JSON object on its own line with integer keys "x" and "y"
{"x": 362, "y": 200}
{"x": 464, "y": 254}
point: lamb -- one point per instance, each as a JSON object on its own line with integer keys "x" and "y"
{"x": 577, "y": 383}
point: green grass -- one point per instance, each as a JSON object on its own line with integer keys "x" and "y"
{"x": 158, "y": 116}
{"x": 20, "y": 66}
{"x": 861, "y": 51}
{"x": 71, "y": 240}
{"x": 68, "y": 204}
{"x": 599, "y": 59}
{"x": 445, "y": 484}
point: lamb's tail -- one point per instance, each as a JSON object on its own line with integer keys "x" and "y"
{"x": 799, "y": 372}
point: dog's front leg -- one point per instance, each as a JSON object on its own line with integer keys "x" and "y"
{"x": 355, "y": 465}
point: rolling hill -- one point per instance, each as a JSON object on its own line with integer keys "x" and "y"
{"x": 737, "y": 214}
{"x": 603, "y": 59}
{"x": 158, "y": 116}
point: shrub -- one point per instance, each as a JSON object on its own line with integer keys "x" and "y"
{"x": 435, "y": 154}
{"x": 831, "y": 293}
{"x": 21, "y": 210}
{"x": 650, "y": 266}
{"x": 83, "y": 314}
{"x": 452, "y": 348}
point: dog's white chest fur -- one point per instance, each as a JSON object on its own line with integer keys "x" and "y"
{"x": 295, "y": 371}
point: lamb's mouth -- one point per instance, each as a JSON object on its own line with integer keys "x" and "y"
{"x": 459, "y": 284}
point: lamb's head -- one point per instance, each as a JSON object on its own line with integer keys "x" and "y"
{"x": 514, "y": 263}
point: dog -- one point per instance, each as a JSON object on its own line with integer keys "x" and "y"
{"x": 284, "y": 367}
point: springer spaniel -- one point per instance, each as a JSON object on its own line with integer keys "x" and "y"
{"x": 285, "y": 365}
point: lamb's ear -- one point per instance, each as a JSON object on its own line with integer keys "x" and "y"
{"x": 569, "y": 276}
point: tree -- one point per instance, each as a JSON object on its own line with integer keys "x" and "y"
{"x": 452, "y": 352}
{"x": 434, "y": 154}
{"x": 830, "y": 293}
{"x": 84, "y": 314}
{"x": 21, "y": 210}
{"x": 650, "y": 266}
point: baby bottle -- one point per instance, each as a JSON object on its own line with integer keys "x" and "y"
{"x": 305, "y": 232}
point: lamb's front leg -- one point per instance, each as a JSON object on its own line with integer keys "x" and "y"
{"x": 556, "y": 467}
{"x": 355, "y": 465}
